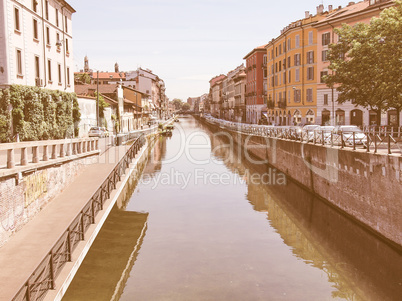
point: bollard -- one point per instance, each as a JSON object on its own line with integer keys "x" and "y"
{"x": 10, "y": 158}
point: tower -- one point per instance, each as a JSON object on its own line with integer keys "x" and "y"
{"x": 116, "y": 68}
{"x": 86, "y": 64}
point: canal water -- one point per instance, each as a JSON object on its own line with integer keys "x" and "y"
{"x": 206, "y": 222}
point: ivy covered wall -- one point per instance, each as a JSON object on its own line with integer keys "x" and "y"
{"x": 37, "y": 114}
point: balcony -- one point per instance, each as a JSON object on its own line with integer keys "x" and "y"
{"x": 282, "y": 103}
{"x": 270, "y": 104}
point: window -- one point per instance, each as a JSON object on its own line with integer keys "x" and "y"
{"x": 297, "y": 41}
{"x": 48, "y": 36}
{"x": 280, "y": 49}
{"x": 19, "y": 62}
{"x": 309, "y": 95}
{"x": 324, "y": 55}
{"x": 310, "y": 38}
{"x": 323, "y": 73}
{"x": 57, "y": 17}
{"x": 280, "y": 66}
{"x": 47, "y": 10}
{"x": 284, "y": 63}
{"x": 37, "y": 70}
{"x": 289, "y": 62}
{"x": 325, "y": 99}
{"x": 284, "y": 77}
{"x": 297, "y": 75}
{"x": 265, "y": 73}
{"x": 16, "y": 19}
{"x": 310, "y": 73}
{"x": 289, "y": 44}
{"x": 284, "y": 46}
{"x": 67, "y": 46}
{"x": 35, "y": 29}
{"x": 297, "y": 59}
{"x": 326, "y": 38}
{"x": 297, "y": 95}
{"x": 310, "y": 57}
{"x": 289, "y": 77}
{"x": 49, "y": 70}
{"x": 34, "y": 5}
{"x": 276, "y": 67}
{"x": 59, "y": 72}
{"x": 276, "y": 80}
{"x": 66, "y": 23}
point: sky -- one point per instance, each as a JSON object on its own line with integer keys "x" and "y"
{"x": 184, "y": 42}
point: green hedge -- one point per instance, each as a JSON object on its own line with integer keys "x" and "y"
{"x": 38, "y": 114}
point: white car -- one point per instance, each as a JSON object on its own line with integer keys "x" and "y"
{"x": 97, "y": 131}
{"x": 347, "y": 132}
{"x": 310, "y": 131}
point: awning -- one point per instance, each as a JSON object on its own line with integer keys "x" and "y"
{"x": 264, "y": 114}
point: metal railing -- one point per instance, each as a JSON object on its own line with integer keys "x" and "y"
{"x": 43, "y": 278}
{"x": 370, "y": 140}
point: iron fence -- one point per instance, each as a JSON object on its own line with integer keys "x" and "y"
{"x": 371, "y": 139}
{"x": 43, "y": 278}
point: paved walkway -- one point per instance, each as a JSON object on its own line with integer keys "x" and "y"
{"x": 22, "y": 254}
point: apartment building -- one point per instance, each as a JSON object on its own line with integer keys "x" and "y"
{"x": 329, "y": 111}
{"x": 292, "y": 72}
{"x": 215, "y": 91}
{"x": 36, "y": 44}
{"x": 255, "y": 84}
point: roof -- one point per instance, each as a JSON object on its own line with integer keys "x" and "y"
{"x": 88, "y": 89}
{"x": 345, "y": 11}
{"x": 132, "y": 89}
{"x": 107, "y": 99}
{"x": 64, "y": 3}
{"x": 351, "y": 10}
{"x": 109, "y": 75}
{"x": 216, "y": 79}
{"x": 257, "y": 49}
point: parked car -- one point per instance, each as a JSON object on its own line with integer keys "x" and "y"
{"x": 309, "y": 131}
{"x": 97, "y": 131}
{"x": 346, "y": 132}
{"x": 325, "y": 132}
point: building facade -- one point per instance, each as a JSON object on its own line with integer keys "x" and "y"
{"x": 329, "y": 111}
{"x": 255, "y": 83}
{"x": 292, "y": 72}
{"x": 215, "y": 99}
{"x": 36, "y": 44}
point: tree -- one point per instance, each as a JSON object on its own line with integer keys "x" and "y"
{"x": 102, "y": 105}
{"x": 82, "y": 78}
{"x": 177, "y": 103}
{"x": 366, "y": 62}
{"x": 185, "y": 107}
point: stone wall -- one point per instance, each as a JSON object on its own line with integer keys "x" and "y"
{"x": 22, "y": 199}
{"x": 366, "y": 186}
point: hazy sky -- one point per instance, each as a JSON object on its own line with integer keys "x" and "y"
{"x": 184, "y": 42}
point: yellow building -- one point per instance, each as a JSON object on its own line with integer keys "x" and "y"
{"x": 292, "y": 72}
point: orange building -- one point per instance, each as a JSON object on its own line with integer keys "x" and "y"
{"x": 292, "y": 72}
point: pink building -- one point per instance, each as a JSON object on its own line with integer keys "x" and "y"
{"x": 328, "y": 109}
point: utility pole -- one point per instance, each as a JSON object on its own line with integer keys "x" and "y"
{"x": 97, "y": 98}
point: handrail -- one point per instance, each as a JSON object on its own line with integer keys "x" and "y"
{"x": 43, "y": 277}
{"x": 369, "y": 139}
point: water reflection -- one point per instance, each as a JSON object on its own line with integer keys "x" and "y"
{"x": 359, "y": 264}
{"x": 239, "y": 240}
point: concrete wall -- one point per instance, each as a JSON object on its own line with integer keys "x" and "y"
{"x": 22, "y": 199}
{"x": 366, "y": 186}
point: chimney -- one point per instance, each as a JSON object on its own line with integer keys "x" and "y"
{"x": 320, "y": 9}
{"x": 351, "y": 3}
{"x": 329, "y": 7}
{"x": 307, "y": 14}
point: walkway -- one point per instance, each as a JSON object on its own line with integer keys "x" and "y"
{"x": 20, "y": 256}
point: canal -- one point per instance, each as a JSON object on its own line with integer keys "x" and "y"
{"x": 206, "y": 222}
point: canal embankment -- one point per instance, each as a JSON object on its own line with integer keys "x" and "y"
{"x": 363, "y": 185}
{"x": 42, "y": 257}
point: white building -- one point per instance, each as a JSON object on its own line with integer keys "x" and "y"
{"x": 36, "y": 46}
